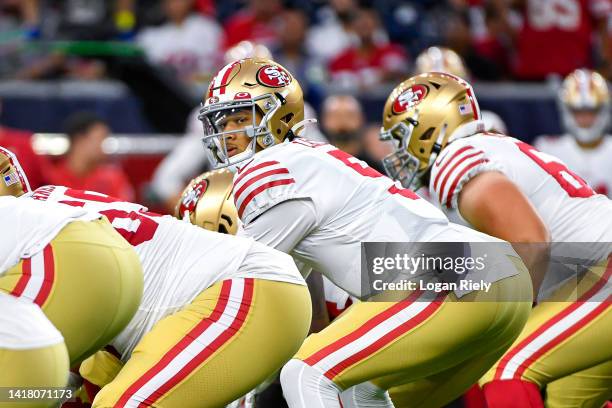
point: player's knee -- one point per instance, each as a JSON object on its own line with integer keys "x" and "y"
{"x": 291, "y": 374}
{"x": 302, "y": 383}
{"x": 296, "y": 374}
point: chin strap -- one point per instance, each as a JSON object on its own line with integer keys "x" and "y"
{"x": 298, "y": 127}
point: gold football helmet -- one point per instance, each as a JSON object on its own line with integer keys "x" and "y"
{"x": 421, "y": 116}
{"x": 209, "y": 203}
{"x": 15, "y": 181}
{"x": 259, "y": 86}
{"x": 585, "y": 90}
{"x": 440, "y": 59}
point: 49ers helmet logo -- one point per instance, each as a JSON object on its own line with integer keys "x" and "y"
{"x": 409, "y": 98}
{"x": 190, "y": 200}
{"x": 273, "y": 76}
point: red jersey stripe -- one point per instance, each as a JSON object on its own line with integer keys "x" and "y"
{"x": 261, "y": 188}
{"x": 451, "y": 158}
{"x": 254, "y": 168}
{"x": 458, "y": 178}
{"x": 255, "y": 179}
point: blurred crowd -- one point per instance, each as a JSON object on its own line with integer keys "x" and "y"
{"x": 351, "y": 42}
{"x": 335, "y": 48}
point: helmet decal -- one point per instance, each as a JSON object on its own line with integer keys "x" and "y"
{"x": 190, "y": 200}
{"x": 220, "y": 81}
{"x": 409, "y": 98}
{"x": 273, "y": 76}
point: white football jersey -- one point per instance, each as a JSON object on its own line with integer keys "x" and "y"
{"x": 179, "y": 260}
{"x": 29, "y": 225}
{"x": 571, "y": 210}
{"x": 352, "y": 202}
{"x": 24, "y": 326}
{"x": 593, "y": 165}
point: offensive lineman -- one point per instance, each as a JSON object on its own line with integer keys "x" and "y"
{"x": 319, "y": 203}
{"x": 211, "y": 304}
{"x": 584, "y": 105}
{"x": 47, "y": 252}
{"x": 508, "y": 189}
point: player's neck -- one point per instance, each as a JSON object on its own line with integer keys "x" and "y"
{"x": 590, "y": 145}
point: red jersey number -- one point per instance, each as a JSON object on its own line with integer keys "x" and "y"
{"x": 569, "y": 181}
{"x": 136, "y": 227}
{"x": 359, "y": 166}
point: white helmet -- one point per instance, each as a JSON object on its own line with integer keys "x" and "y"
{"x": 585, "y": 90}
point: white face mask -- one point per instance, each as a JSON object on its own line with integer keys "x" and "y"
{"x": 582, "y": 134}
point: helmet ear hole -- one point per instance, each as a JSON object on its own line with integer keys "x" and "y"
{"x": 427, "y": 134}
{"x": 287, "y": 118}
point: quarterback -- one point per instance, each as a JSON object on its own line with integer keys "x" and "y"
{"x": 508, "y": 189}
{"x": 318, "y": 203}
{"x": 211, "y": 304}
{"x": 66, "y": 259}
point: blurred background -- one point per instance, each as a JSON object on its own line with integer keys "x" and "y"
{"x": 103, "y": 95}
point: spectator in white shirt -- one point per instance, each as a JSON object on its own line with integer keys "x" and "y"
{"x": 188, "y": 42}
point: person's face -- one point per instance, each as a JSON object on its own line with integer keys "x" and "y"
{"x": 585, "y": 118}
{"x": 177, "y": 10}
{"x": 92, "y": 142}
{"x": 293, "y": 29}
{"x": 342, "y": 116}
{"x": 237, "y": 141}
{"x": 365, "y": 24}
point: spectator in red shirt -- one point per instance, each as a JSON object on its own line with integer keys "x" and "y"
{"x": 84, "y": 167}
{"x": 372, "y": 61}
{"x": 20, "y": 143}
{"x": 557, "y": 37}
{"x": 257, "y": 23}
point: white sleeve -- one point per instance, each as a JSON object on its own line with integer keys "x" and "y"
{"x": 283, "y": 226}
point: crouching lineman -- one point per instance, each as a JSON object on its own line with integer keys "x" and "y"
{"x": 508, "y": 189}
{"x": 319, "y": 203}
{"x": 219, "y": 313}
{"x": 70, "y": 262}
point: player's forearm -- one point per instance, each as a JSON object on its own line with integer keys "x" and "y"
{"x": 320, "y": 317}
{"x": 536, "y": 256}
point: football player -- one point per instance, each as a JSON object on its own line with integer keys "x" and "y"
{"x": 584, "y": 105}
{"x": 219, "y": 313}
{"x": 68, "y": 261}
{"x": 508, "y": 189}
{"x": 319, "y": 203}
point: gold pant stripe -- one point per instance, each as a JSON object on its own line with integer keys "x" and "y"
{"x": 558, "y": 329}
{"x": 159, "y": 379}
{"x": 413, "y": 311}
{"x": 275, "y": 326}
{"x": 38, "y": 275}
